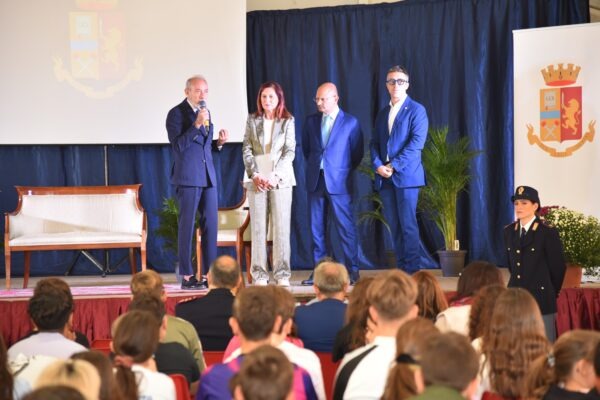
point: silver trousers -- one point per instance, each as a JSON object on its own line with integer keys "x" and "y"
{"x": 270, "y": 209}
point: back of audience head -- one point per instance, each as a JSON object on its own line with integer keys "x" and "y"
{"x": 109, "y": 390}
{"x": 357, "y": 312}
{"x": 570, "y": 364}
{"x": 476, "y": 275}
{"x": 482, "y": 309}
{"x": 55, "y": 392}
{"x": 135, "y": 339}
{"x": 51, "y": 305}
{"x": 254, "y": 314}
{"x": 430, "y": 299}
{"x": 265, "y": 374}
{"x": 515, "y": 337}
{"x": 155, "y": 306}
{"x": 147, "y": 282}
{"x": 78, "y": 374}
{"x": 285, "y": 306}
{"x": 224, "y": 273}
{"x": 331, "y": 280}
{"x": 411, "y": 340}
{"x": 449, "y": 360}
{"x": 392, "y": 297}
{"x": 6, "y": 377}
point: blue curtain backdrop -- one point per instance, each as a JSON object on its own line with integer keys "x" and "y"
{"x": 458, "y": 53}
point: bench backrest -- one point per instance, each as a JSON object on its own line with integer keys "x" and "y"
{"x": 77, "y": 209}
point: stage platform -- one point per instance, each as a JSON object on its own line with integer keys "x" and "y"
{"x": 98, "y": 301}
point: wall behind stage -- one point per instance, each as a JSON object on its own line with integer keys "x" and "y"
{"x": 106, "y": 72}
{"x": 557, "y": 115}
{"x": 460, "y": 55}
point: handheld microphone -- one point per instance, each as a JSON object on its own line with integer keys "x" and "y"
{"x": 202, "y": 106}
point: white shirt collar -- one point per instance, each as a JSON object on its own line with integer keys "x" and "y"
{"x": 333, "y": 114}
{"x": 195, "y": 107}
{"x": 527, "y": 225}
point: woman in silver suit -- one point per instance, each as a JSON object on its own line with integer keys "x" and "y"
{"x": 268, "y": 150}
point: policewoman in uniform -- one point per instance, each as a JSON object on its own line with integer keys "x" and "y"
{"x": 535, "y": 255}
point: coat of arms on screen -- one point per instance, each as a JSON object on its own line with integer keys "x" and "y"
{"x": 98, "y": 64}
{"x": 561, "y": 113}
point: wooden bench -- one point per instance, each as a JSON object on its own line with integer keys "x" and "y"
{"x": 75, "y": 218}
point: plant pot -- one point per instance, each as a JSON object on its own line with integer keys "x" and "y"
{"x": 573, "y": 276}
{"x": 452, "y": 262}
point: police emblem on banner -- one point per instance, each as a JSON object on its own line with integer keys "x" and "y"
{"x": 561, "y": 113}
{"x": 98, "y": 61}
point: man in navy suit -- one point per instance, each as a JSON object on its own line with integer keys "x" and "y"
{"x": 398, "y": 139}
{"x": 193, "y": 174}
{"x": 332, "y": 144}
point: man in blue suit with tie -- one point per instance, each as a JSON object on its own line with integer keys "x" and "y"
{"x": 190, "y": 132}
{"x": 398, "y": 139}
{"x": 332, "y": 144}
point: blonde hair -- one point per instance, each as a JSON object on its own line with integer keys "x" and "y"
{"x": 147, "y": 281}
{"x": 392, "y": 294}
{"x": 78, "y": 374}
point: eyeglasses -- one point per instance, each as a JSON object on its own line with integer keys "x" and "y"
{"x": 393, "y": 82}
{"x": 323, "y": 99}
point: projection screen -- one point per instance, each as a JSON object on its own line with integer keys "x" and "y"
{"x": 108, "y": 71}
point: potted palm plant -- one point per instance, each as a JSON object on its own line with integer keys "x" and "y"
{"x": 447, "y": 171}
{"x": 168, "y": 217}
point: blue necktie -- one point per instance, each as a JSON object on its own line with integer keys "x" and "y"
{"x": 326, "y": 123}
{"x": 325, "y": 128}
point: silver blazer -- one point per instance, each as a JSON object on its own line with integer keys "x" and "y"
{"x": 283, "y": 149}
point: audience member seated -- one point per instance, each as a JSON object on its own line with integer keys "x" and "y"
{"x": 567, "y": 372}
{"x": 475, "y": 276}
{"x": 595, "y": 392}
{"x": 516, "y": 336}
{"x": 430, "y": 298}
{"x": 449, "y": 366}
{"x": 109, "y": 390}
{"x": 57, "y": 392}
{"x": 11, "y": 387}
{"x": 51, "y": 310}
{"x": 265, "y": 373}
{"x": 210, "y": 314}
{"x": 304, "y": 358}
{"x": 254, "y": 319}
{"x": 135, "y": 339}
{"x": 178, "y": 330}
{"x": 172, "y": 357}
{"x": 352, "y": 335}
{"x": 318, "y": 323}
{"x": 363, "y": 372}
{"x": 482, "y": 309}
{"x": 411, "y": 340}
{"x": 78, "y": 374}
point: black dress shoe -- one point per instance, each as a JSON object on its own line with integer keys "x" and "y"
{"x": 193, "y": 284}
{"x": 354, "y": 275}
{"x": 308, "y": 282}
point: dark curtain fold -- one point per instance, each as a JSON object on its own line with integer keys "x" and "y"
{"x": 459, "y": 54}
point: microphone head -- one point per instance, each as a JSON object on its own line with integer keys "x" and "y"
{"x": 202, "y": 104}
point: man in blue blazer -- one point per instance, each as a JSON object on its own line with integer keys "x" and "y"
{"x": 398, "y": 139}
{"x": 190, "y": 132}
{"x": 332, "y": 144}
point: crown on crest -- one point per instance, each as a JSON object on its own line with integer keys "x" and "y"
{"x": 561, "y": 76}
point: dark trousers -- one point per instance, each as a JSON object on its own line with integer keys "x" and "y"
{"x": 400, "y": 210}
{"x": 204, "y": 200}
{"x": 319, "y": 202}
